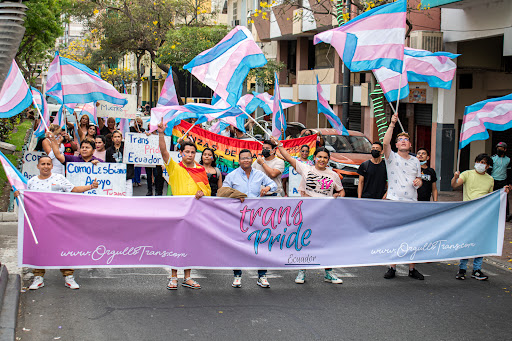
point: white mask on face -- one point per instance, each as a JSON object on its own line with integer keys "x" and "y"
{"x": 480, "y": 167}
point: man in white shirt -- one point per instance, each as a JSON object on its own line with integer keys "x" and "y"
{"x": 404, "y": 178}
{"x": 271, "y": 165}
{"x": 48, "y": 182}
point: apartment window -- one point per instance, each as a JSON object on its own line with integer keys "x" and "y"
{"x": 235, "y": 10}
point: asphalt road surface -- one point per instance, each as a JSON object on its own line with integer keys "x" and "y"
{"x": 134, "y": 304}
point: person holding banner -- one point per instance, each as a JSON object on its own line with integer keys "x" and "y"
{"x": 185, "y": 178}
{"x": 58, "y": 167}
{"x": 137, "y": 128}
{"x": 87, "y": 148}
{"x": 271, "y": 165}
{"x": 404, "y": 179}
{"x": 317, "y": 181}
{"x": 477, "y": 183}
{"x": 255, "y": 184}
{"x": 428, "y": 189}
{"x": 115, "y": 155}
{"x": 48, "y": 182}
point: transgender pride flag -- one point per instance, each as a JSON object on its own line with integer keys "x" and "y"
{"x": 325, "y": 108}
{"x": 493, "y": 114}
{"x": 224, "y": 67}
{"x": 40, "y": 101}
{"x": 168, "y": 95}
{"x": 278, "y": 120}
{"x": 16, "y": 179}
{"x": 371, "y": 40}
{"x": 72, "y": 82}
{"x": 15, "y": 95}
{"x": 435, "y": 68}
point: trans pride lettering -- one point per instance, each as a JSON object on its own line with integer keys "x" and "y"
{"x": 274, "y": 217}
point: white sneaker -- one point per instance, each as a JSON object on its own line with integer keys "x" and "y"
{"x": 331, "y": 277}
{"x": 301, "y": 277}
{"x": 237, "y": 282}
{"x": 263, "y": 282}
{"x": 37, "y": 283}
{"x": 71, "y": 283}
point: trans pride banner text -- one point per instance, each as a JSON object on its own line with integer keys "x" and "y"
{"x": 268, "y": 233}
{"x": 227, "y": 149}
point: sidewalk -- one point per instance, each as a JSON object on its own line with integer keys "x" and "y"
{"x": 506, "y": 258}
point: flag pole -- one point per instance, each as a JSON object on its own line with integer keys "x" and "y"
{"x": 458, "y": 160}
{"x": 398, "y": 100}
{"x": 22, "y": 206}
{"x": 255, "y": 139}
{"x": 259, "y": 125}
{"x": 189, "y": 129}
{"x": 39, "y": 112}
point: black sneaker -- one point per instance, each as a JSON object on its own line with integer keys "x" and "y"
{"x": 149, "y": 194}
{"x": 390, "y": 273}
{"x": 461, "y": 274}
{"x": 416, "y": 274}
{"x": 478, "y": 274}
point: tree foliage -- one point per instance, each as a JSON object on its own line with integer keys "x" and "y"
{"x": 44, "y": 23}
{"x": 264, "y": 75}
{"x": 183, "y": 44}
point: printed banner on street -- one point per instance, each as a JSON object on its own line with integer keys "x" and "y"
{"x": 111, "y": 177}
{"x": 143, "y": 150}
{"x": 260, "y": 233}
{"x": 30, "y": 160}
{"x": 227, "y": 149}
{"x": 129, "y": 110}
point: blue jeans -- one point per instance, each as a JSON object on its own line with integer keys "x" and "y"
{"x": 136, "y": 175}
{"x": 260, "y": 272}
{"x": 477, "y": 263}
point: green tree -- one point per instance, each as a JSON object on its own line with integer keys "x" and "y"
{"x": 264, "y": 76}
{"x": 183, "y": 44}
{"x": 44, "y": 23}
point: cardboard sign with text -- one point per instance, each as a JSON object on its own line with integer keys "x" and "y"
{"x": 143, "y": 150}
{"x": 30, "y": 160}
{"x": 110, "y": 176}
{"x": 106, "y": 109}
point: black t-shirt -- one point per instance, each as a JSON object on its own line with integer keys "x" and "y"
{"x": 375, "y": 178}
{"x": 428, "y": 175}
{"x": 114, "y": 155}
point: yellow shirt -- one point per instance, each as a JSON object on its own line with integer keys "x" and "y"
{"x": 476, "y": 185}
{"x": 181, "y": 181}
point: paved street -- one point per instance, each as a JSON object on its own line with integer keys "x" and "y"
{"x": 133, "y": 304}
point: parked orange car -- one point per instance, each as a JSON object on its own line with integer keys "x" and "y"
{"x": 347, "y": 154}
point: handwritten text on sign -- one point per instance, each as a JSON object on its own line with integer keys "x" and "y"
{"x": 141, "y": 149}
{"x": 30, "y": 160}
{"x": 106, "y": 109}
{"x": 293, "y": 183}
{"x": 111, "y": 177}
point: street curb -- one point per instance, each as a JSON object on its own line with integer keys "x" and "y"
{"x": 498, "y": 263}
{"x": 4, "y": 277}
{"x": 8, "y": 216}
{"x": 10, "y": 307}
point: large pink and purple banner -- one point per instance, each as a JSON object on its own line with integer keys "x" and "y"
{"x": 81, "y": 231}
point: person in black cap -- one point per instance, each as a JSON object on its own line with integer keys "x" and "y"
{"x": 501, "y": 169}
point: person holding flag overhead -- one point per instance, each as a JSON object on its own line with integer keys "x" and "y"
{"x": 317, "y": 181}
{"x": 48, "y": 182}
{"x": 185, "y": 178}
{"x": 404, "y": 179}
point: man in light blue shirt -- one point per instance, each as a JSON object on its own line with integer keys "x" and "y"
{"x": 500, "y": 168}
{"x": 255, "y": 184}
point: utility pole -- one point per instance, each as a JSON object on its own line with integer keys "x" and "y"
{"x": 345, "y": 96}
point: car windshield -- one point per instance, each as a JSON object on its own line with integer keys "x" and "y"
{"x": 347, "y": 144}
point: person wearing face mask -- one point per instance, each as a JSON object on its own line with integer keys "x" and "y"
{"x": 429, "y": 177}
{"x": 404, "y": 179}
{"x": 272, "y": 166}
{"x": 477, "y": 183}
{"x": 500, "y": 170}
{"x": 372, "y": 175}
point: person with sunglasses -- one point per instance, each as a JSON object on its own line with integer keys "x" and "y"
{"x": 273, "y": 167}
{"x": 404, "y": 179}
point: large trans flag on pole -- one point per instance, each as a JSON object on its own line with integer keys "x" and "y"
{"x": 16, "y": 179}
{"x": 168, "y": 95}
{"x": 40, "y": 101}
{"x": 278, "y": 120}
{"x": 224, "y": 67}
{"x": 435, "y": 68}
{"x": 325, "y": 108}
{"x": 371, "y": 40}
{"x": 492, "y": 114}
{"x": 72, "y": 82}
{"x": 15, "y": 95}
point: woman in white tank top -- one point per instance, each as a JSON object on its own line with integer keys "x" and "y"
{"x": 58, "y": 167}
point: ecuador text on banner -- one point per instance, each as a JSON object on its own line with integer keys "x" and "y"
{"x": 263, "y": 233}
